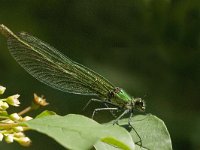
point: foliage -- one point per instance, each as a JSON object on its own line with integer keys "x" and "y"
{"x": 78, "y": 132}
{"x": 152, "y": 131}
{"x": 70, "y": 129}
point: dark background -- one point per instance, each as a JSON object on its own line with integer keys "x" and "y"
{"x": 151, "y": 48}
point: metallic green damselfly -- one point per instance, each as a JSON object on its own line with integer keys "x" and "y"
{"x": 53, "y": 68}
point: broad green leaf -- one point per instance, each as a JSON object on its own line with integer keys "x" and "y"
{"x": 152, "y": 131}
{"x": 81, "y": 133}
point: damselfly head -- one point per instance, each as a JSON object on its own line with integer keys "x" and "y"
{"x": 139, "y": 104}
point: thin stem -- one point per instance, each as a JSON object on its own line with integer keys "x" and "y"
{"x": 8, "y": 125}
{"x": 28, "y": 109}
{"x": 4, "y": 117}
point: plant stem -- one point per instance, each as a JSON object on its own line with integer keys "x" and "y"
{"x": 25, "y": 110}
{"x": 8, "y": 125}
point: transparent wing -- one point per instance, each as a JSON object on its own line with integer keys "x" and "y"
{"x": 51, "y": 67}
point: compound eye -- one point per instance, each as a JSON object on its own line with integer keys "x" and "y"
{"x": 140, "y": 104}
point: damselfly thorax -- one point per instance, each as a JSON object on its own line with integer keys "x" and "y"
{"x": 121, "y": 98}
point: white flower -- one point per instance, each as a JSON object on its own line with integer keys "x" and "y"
{"x": 13, "y": 100}
{"x": 2, "y": 89}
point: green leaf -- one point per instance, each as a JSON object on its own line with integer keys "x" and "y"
{"x": 81, "y": 133}
{"x": 110, "y": 141}
{"x": 45, "y": 113}
{"x": 152, "y": 131}
{"x": 113, "y": 141}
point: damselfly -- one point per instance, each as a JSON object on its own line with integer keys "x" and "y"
{"x": 53, "y": 68}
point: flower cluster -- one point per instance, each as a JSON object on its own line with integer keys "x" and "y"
{"x": 10, "y": 128}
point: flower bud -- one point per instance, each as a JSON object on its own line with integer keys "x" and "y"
{"x": 1, "y": 136}
{"x": 19, "y": 134}
{"x": 27, "y": 118}
{"x": 3, "y": 105}
{"x": 24, "y": 141}
{"x": 2, "y": 90}
{"x": 13, "y": 100}
{"x": 18, "y": 129}
{"x": 9, "y": 138}
{"x": 15, "y": 117}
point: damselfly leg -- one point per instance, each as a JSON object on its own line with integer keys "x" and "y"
{"x": 106, "y": 103}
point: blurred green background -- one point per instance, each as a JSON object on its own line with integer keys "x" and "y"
{"x": 151, "y": 48}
